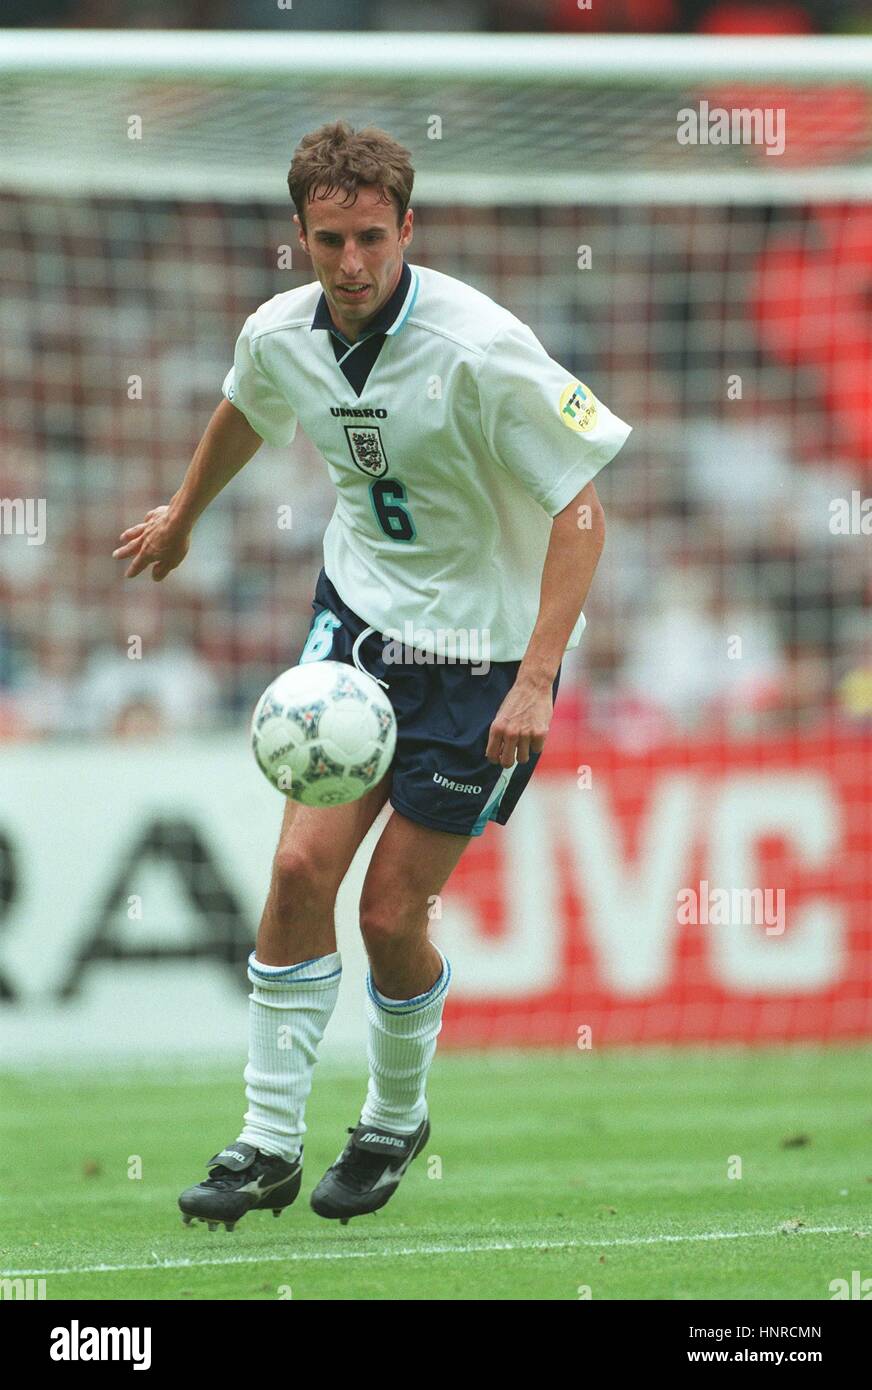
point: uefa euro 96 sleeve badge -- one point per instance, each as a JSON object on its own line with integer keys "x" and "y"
{"x": 578, "y": 407}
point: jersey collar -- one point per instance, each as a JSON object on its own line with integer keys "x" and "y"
{"x": 390, "y": 317}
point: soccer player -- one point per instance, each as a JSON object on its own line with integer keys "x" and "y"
{"x": 463, "y": 459}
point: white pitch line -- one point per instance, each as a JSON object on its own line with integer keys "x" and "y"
{"x": 480, "y": 1248}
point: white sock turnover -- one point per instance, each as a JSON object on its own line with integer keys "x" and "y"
{"x": 402, "y": 1043}
{"x": 289, "y": 1008}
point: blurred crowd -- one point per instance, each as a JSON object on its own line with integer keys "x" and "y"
{"x": 725, "y": 599}
{"x": 546, "y": 16}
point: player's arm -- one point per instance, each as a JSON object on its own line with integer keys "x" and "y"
{"x": 162, "y": 539}
{"x": 574, "y": 548}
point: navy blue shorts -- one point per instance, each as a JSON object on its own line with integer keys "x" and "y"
{"x": 440, "y": 775}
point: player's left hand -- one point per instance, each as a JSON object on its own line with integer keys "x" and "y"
{"x": 522, "y": 722}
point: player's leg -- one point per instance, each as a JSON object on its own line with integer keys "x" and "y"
{"x": 444, "y": 791}
{"x": 408, "y": 977}
{"x": 296, "y": 968}
{"x": 406, "y": 988}
{"x": 294, "y": 973}
{"x": 315, "y": 850}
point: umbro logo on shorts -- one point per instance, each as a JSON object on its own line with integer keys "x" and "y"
{"x": 454, "y": 786}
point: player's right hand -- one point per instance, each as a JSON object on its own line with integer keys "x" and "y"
{"x": 157, "y": 541}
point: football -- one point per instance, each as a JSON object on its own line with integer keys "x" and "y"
{"x": 324, "y": 733}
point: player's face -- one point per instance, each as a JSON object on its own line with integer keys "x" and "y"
{"x": 357, "y": 252}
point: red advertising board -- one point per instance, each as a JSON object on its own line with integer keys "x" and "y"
{"x": 712, "y": 892}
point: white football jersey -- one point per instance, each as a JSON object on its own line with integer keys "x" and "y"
{"x": 452, "y": 439}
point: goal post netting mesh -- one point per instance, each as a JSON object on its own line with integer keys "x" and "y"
{"x": 490, "y": 119}
{"x": 716, "y": 726}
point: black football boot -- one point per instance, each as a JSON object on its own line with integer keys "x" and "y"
{"x": 368, "y": 1171}
{"x": 242, "y": 1179}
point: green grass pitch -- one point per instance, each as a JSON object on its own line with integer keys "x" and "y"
{"x": 546, "y": 1175}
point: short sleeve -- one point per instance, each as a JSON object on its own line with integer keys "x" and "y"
{"x": 249, "y": 387}
{"x": 543, "y": 425}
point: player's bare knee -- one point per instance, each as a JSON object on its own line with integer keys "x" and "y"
{"x": 389, "y": 918}
{"x": 300, "y": 884}
{"x": 377, "y": 929}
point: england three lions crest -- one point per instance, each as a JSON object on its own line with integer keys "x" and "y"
{"x": 367, "y": 452}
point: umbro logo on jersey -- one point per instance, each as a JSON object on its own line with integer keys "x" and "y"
{"x": 367, "y": 452}
{"x": 358, "y": 412}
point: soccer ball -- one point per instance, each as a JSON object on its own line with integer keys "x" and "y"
{"x": 323, "y": 733}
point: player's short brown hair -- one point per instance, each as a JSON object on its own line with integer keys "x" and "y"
{"x": 336, "y": 156}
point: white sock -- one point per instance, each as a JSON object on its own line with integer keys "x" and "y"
{"x": 290, "y": 1006}
{"x": 402, "y": 1042}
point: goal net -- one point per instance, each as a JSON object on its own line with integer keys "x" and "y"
{"x": 687, "y": 224}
